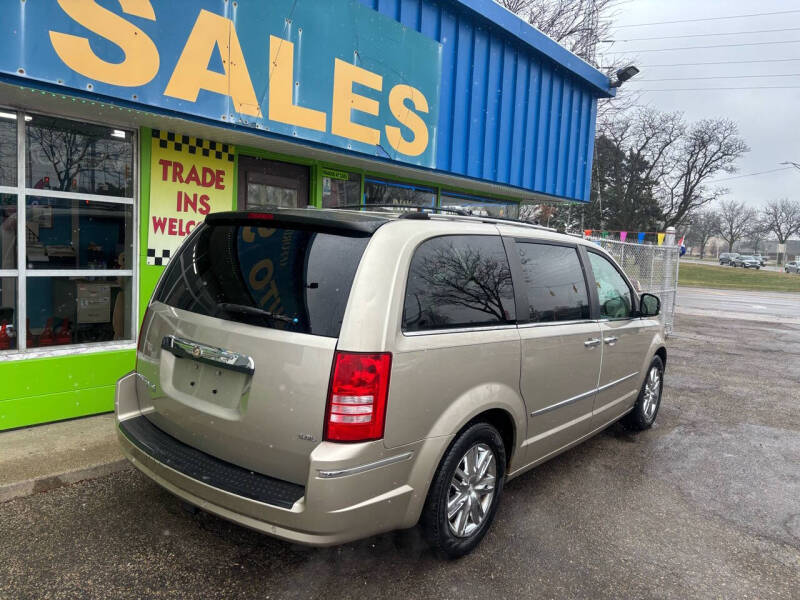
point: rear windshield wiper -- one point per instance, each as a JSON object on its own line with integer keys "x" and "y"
{"x": 256, "y": 312}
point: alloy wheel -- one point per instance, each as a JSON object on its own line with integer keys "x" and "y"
{"x": 471, "y": 490}
{"x": 652, "y": 393}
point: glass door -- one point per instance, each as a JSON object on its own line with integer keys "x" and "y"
{"x": 270, "y": 183}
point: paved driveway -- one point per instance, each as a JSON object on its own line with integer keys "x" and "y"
{"x": 704, "y": 505}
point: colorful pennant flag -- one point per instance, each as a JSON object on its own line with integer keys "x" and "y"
{"x": 604, "y": 234}
{"x": 661, "y": 238}
{"x": 641, "y": 237}
{"x": 623, "y": 235}
{"x": 587, "y": 232}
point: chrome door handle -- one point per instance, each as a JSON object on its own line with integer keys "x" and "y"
{"x": 610, "y": 340}
{"x": 591, "y": 343}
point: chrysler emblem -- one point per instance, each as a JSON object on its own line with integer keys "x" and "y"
{"x": 196, "y": 352}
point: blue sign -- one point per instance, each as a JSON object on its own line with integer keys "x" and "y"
{"x": 333, "y": 72}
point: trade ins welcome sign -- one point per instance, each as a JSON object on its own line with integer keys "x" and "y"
{"x": 332, "y": 71}
{"x": 189, "y": 177}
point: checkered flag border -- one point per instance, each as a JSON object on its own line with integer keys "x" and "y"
{"x": 192, "y": 145}
{"x": 158, "y": 257}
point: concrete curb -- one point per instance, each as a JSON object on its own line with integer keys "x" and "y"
{"x": 20, "y": 489}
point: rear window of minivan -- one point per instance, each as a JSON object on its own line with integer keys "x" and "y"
{"x": 282, "y": 278}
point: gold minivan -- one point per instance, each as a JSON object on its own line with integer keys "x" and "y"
{"x": 326, "y": 375}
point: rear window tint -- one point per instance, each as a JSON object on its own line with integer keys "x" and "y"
{"x": 458, "y": 281}
{"x": 302, "y": 278}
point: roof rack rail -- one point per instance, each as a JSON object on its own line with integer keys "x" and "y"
{"x": 499, "y": 221}
{"x": 452, "y": 214}
{"x": 418, "y": 207}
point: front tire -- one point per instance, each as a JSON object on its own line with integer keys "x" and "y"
{"x": 463, "y": 497}
{"x": 647, "y": 404}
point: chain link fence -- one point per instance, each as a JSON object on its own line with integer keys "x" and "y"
{"x": 655, "y": 268}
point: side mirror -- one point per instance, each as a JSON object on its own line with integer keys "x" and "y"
{"x": 649, "y": 305}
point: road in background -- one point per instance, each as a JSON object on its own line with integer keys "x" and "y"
{"x": 739, "y": 304}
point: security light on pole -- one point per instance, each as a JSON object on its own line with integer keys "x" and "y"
{"x": 624, "y": 74}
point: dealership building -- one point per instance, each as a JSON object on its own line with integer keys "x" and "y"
{"x": 123, "y": 123}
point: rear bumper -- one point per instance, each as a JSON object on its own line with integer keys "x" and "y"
{"x": 352, "y": 490}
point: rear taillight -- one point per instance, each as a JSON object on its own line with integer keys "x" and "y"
{"x": 356, "y": 409}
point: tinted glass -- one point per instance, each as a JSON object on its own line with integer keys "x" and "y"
{"x": 78, "y": 157}
{"x": 8, "y": 148}
{"x": 340, "y": 188}
{"x": 78, "y": 234}
{"x": 458, "y": 281}
{"x": 78, "y": 310}
{"x": 302, "y": 278}
{"x": 554, "y": 282}
{"x": 613, "y": 293}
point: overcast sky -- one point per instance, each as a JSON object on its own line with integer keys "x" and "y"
{"x": 769, "y": 119}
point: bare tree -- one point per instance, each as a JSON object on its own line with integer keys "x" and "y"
{"x": 710, "y": 147}
{"x": 782, "y": 217}
{"x": 734, "y": 220}
{"x": 757, "y": 232}
{"x": 702, "y": 226}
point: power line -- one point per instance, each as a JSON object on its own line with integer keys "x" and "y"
{"x": 692, "y": 35}
{"x": 782, "y": 12}
{"x": 753, "y": 174}
{"x": 723, "y": 62}
{"x": 717, "y": 77}
{"x": 716, "y": 89}
{"x": 703, "y": 47}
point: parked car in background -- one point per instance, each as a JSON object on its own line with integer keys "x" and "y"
{"x": 761, "y": 259}
{"x": 726, "y": 258}
{"x": 326, "y": 375}
{"x": 792, "y": 267}
{"x": 747, "y": 261}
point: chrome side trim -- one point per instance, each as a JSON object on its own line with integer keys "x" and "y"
{"x": 458, "y": 330}
{"x": 556, "y": 323}
{"x": 617, "y": 381}
{"x": 574, "y": 399}
{"x": 563, "y": 403}
{"x": 362, "y": 468}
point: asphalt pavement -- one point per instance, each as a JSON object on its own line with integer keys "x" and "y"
{"x": 704, "y": 505}
{"x": 739, "y": 304}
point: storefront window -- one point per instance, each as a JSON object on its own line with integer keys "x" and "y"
{"x": 481, "y": 206}
{"x": 8, "y": 148}
{"x": 8, "y": 231}
{"x": 78, "y": 234}
{"x": 377, "y": 191}
{"x": 77, "y": 310}
{"x": 8, "y": 311}
{"x": 340, "y": 188}
{"x": 75, "y": 285}
{"x": 78, "y": 157}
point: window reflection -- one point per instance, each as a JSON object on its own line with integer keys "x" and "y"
{"x": 340, "y": 188}
{"x": 8, "y": 231}
{"x": 8, "y": 313}
{"x": 554, "y": 283}
{"x": 481, "y": 207}
{"x": 8, "y": 148}
{"x": 377, "y": 191}
{"x": 457, "y": 281}
{"x": 78, "y": 157}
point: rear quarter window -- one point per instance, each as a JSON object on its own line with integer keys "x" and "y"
{"x": 302, "y": 278}
{"x": 458, "y": 281}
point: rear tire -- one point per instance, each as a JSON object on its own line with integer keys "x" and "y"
{"x": 647, "y": 404}
{"x": 464, "y": 494}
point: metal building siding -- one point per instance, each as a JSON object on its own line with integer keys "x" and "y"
{"x": 507, "y": 113}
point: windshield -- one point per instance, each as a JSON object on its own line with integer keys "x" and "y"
{"x": 280, "y": 278}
